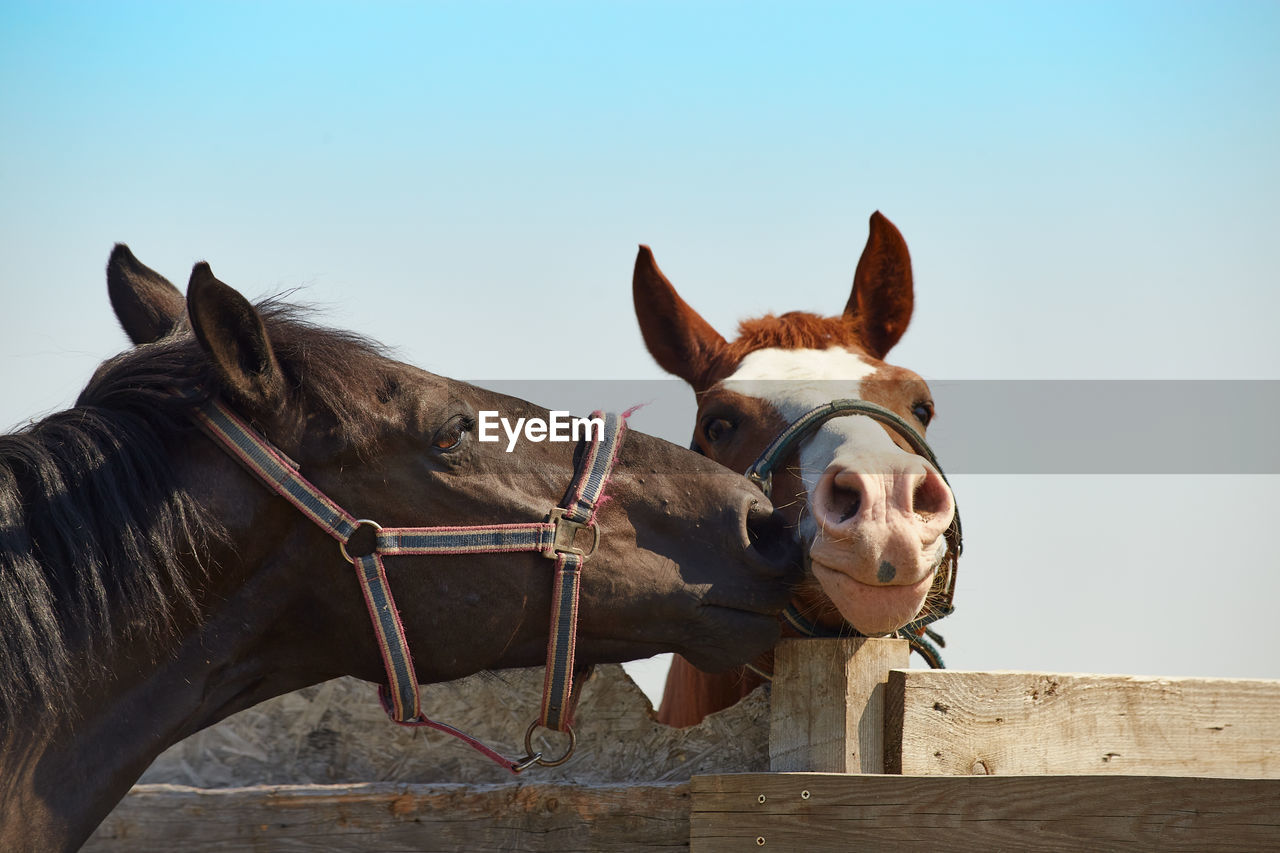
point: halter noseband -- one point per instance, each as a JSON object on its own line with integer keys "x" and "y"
{"x": 554, "y": 538}
{"x": 942, "y": 593}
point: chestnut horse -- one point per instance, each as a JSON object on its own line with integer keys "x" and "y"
{"x": 872, "y": 512}
{"x": 151, "y": 585}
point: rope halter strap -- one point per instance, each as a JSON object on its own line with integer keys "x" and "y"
{"x": 568, "y": 536}
{"x": 942, "y": 593}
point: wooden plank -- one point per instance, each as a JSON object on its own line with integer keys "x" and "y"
{"x": 815, "y": 812}
{"x": 397, "y": 817}
{"x": 828, "y": 703}
{"x": 946, "y": 722}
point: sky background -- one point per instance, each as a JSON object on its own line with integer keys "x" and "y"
{"x": 1089, "y": 191}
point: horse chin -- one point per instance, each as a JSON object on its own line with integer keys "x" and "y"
{"x": 872, "y": 608}
{"x": 752, "y": 635}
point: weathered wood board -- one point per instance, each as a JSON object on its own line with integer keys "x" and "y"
{"x": 828, "y": 703}
{"x": 953, "y": 723}
{"x": 236, "y": 786}
{"x": 392, "y": 818}
{"x": 1040, "y": 739}
{"x": 337, "y": 733}
{"x": 818, "y": 812}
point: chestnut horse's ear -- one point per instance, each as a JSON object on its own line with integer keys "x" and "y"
{"x": 147, "y": 305}
{"x": 882, "y": 297}
{"x": 677, "y": 337}
{"x": 232, "y": 334}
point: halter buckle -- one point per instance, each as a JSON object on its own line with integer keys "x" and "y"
{"x": 566, "y": 532}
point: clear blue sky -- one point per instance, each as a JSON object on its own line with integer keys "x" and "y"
{"x": 1089, "y": 190}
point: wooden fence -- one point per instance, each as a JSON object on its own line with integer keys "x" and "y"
{"x": 863, "y": 753}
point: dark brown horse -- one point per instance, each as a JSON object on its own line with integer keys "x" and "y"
{"x": 872, "y": 514}
{"x": 150, "y": 586}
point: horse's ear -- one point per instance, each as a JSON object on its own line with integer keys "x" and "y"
{"x": 147, "y": 305}
{"x": 677, "y": 337}
{"x": 232, "y": 334}
{"x": 882, "y": 297}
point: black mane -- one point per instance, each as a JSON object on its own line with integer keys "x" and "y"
{"x": 96, "y": 538}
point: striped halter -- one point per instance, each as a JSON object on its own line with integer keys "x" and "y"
{"x": 943, "y": 590}
{"x": 553, "y": 538}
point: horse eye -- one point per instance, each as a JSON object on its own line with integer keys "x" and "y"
{"x": 716, "y": 429}
{"x": 450, "y": 435}
{"x": 923, "y": 411}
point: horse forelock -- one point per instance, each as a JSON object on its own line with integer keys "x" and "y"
{"x": 337, "y": 373}
{"x": 97, "y": 541}
{"x": 794, "y": 330}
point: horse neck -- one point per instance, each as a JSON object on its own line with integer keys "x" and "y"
{"x": 61, "y": 780}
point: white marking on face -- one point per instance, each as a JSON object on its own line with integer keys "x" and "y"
{"x": 796, "y": 381}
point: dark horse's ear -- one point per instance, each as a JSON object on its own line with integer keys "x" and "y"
{"x": 677, "y": 337}
{"x": 147, "y": 305}
{"x": 231, "y": 332}
{"x": 882, "y": 296}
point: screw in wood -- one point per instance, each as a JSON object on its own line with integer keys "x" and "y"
{"x": 762, "y": 798}
{"x": 804, "y": 795}
{"x": 759, "y": 840}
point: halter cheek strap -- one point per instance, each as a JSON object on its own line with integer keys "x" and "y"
{"x": 555, "y": 538}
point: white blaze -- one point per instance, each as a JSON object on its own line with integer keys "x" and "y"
{"x": 796, "y": 381}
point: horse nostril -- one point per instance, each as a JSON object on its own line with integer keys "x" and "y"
{"x": 769, "y": 535}
{"x": 844, "y": 502}
{"x": 931, "y": 496}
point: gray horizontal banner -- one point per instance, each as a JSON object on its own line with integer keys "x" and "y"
{"x": 1014, "y": 427}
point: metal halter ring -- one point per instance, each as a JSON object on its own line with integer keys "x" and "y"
{"x": 342, "y": 546}
{"x": 565, "y": 534}
{"x": 532, "y": 757}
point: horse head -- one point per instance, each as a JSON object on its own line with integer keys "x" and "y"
{"x": 400, "y": 446}
{"x": 153, "y": 583}
{"x": 871, "y": 512}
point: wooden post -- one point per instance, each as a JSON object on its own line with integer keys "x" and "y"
{"x": 828, "y": 704}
